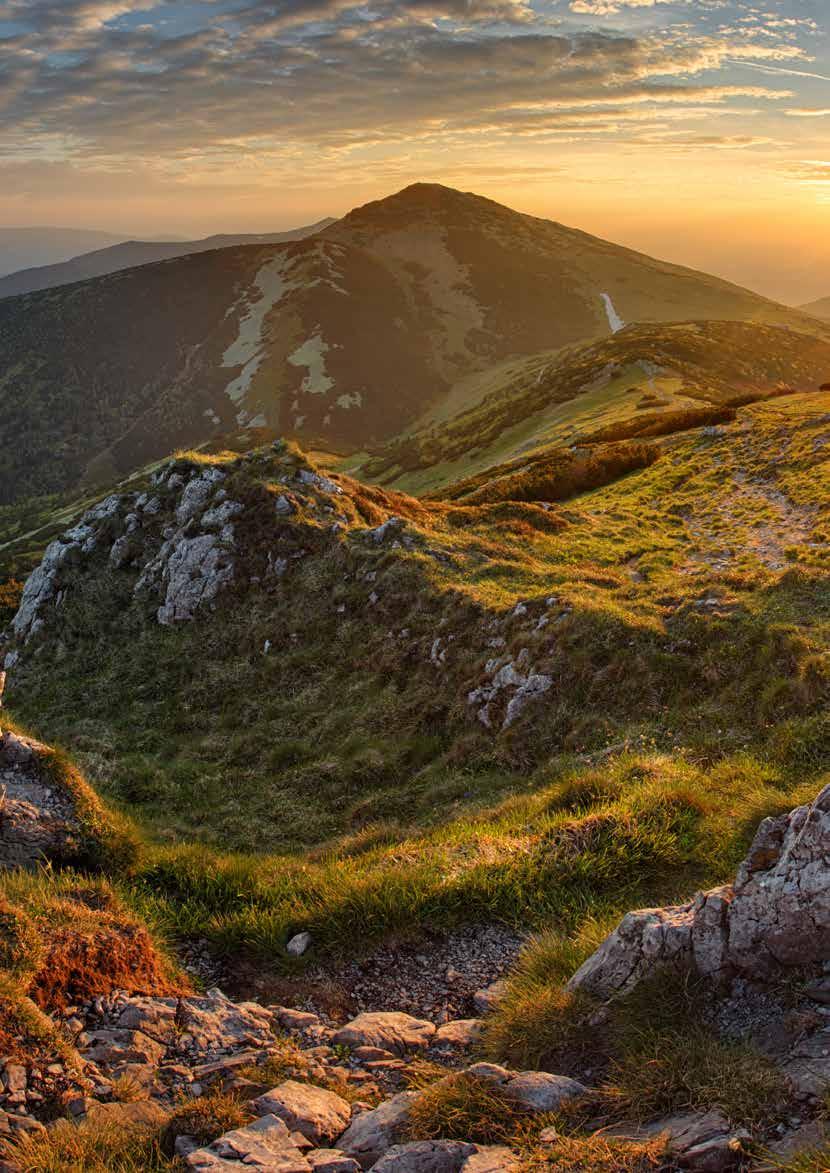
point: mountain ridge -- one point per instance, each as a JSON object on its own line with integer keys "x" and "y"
{"x": 343, "y": 338}
{"x": 819, "y": 309}
{"x": 130, "y": 254}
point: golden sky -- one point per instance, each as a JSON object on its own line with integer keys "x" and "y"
{"x": 697, "y": 130}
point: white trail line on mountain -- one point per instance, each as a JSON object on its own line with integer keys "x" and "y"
{"x": 248, "y": 348}
{"x": 614, "y": 320}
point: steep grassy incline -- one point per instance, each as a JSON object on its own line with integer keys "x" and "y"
{"x": 343, "y": 339}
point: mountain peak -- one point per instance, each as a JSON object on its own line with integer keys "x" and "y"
{"x": 423, "y": 201}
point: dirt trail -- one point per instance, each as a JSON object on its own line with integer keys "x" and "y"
{"x": 749, "y": 516}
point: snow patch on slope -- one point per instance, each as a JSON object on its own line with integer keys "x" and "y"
{"x": 614, "y": 320}
{"x": 312, "y": 355}
{"x": 247, "y": 350}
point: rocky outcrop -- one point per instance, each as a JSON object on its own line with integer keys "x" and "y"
{"x": 38, "y": 816}
{"x": 776, "y": 915}
{"x": 266, "y": 1144}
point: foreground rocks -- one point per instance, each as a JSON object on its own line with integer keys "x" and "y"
{"x": 390, "y": 1031}
{"x": 38, "y": 816}
{"x": 774, "y": 917}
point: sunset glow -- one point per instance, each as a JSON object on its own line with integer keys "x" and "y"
{"x": 694, "y": 129}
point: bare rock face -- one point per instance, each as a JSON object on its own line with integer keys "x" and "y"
{"x": 38, "y": 820}
{"x": 775, "y": 915}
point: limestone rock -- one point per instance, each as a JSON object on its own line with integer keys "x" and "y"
{"x": 196, "y": 571}
{"x": 201, "y": 1025}
{"x": 106, "y": 1048}
{"x": 371, "y": 1133}
{"x": 425, "y": 1156}
{"x": 38, "y": 820}
{"x": 488, "y": 998}
{"x": 266, "y": 1144}
{"x": 702, "y": 1142}
{"x": 196, "y": 494}
{"x": 298, "y": 944}
{"x": 389, "y": 1030}
{"x": 318, "y": 1114}
{"x": 534, "y": 1091}
{"x": 461, "y": 1032}
{"x": 491, "y": 1159}
{"x": 775, "y": 915}
{"x": 331, "y": 1161}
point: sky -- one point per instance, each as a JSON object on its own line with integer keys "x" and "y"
{"x": 695, "y": 130}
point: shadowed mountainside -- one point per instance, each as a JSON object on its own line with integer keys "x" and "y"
{"x": 341, "y": 339}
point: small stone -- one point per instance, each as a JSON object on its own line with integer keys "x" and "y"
{"x": 462, "y": 1033}
{"x": 298, "y": 944}
{"x": 332, "y": 1161}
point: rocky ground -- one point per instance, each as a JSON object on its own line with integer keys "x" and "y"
{"x": 440, "y": 976}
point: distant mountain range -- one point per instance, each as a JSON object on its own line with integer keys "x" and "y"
{"x": 130, "y": 253}
{"x": 819, "y": 309}
{"x": 21, "y": 248}
{"x": 343, "y": 339}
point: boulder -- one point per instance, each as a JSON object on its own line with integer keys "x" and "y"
{"x": 776, "y": 915}
{"x": 202, "y": 1026}
{"x": 371, "y": 1133}
{"x": 390, "y": 1030}
{"x": 318, "y": 1114}
{"x": 266, "y": 1144}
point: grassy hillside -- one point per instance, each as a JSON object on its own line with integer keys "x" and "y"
{"x": 619, "y": 388}
{"x": 679, "y": 614}
{"x": 697, "y": 580}
{"x": 344, "y": 339}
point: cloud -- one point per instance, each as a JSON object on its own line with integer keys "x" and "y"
{"x": 611, "y": 7}
{"x": 120, "y": 86}
{"x": 804, "y": 112}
